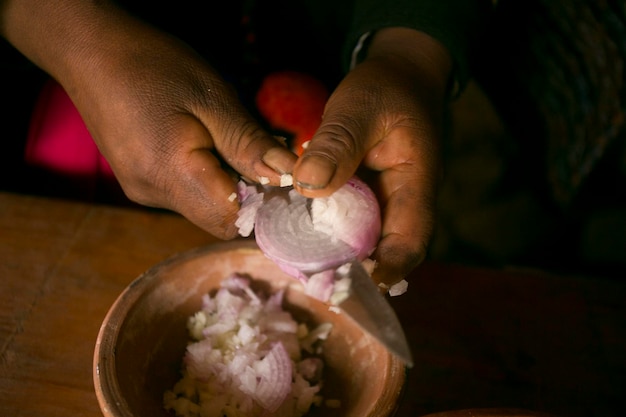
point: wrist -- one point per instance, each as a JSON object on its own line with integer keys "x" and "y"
{"x": 425, "y": 55}
{"x": 68, "y": 39}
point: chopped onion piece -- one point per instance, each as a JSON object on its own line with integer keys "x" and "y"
{"x": 247, "y": 213}
{"x": 274, "y": 373}
{"x": 286, "y": 180}
{"x": 320, "y": 285}
{"x": 334, "y": 309}
{"x": 399, "y": 288}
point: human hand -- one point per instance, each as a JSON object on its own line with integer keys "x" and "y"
{"x": 386, "y": 117}
{"x": 171, "y": 128}
{"x": 179, "y": 136}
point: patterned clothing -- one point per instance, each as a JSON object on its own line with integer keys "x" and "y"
{"x": 556, "y": 71}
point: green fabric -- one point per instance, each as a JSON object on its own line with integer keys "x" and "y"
{"x": 457, "y": 24}
{"x": 312, "y": 34}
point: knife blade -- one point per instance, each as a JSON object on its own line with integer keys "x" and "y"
{"x": 372, "y": 312}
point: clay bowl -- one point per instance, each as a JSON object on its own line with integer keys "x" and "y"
{"x": 491, "y": 412}
{"x": 142, "y": 339}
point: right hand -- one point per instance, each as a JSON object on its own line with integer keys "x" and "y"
{"x": 386, "y": 119}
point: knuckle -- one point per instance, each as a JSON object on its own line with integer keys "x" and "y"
{"x": 336, "y": 139}
{"x": 146, "y": 184}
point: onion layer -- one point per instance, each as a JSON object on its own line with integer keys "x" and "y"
{"x": 307, "y": 236}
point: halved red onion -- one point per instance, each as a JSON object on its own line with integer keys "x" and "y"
{"x": 306, "y": 236}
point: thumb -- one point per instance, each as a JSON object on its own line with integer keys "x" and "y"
{"x": 336, "y": 150}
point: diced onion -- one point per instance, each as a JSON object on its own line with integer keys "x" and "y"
{"x": 399, "y": 288}
{"x": 248, "y": 357}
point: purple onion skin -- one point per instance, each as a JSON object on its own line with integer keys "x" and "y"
{"x": 283, "y": 235}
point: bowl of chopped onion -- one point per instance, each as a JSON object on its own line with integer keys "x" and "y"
{"x": 223, "y": 331}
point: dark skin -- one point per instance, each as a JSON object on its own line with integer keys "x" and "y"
{"x": 173, "y": 130}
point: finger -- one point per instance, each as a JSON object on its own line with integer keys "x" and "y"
{"x": 193, "y": 182}
{"x": 336, "y": 150}
{"x": 243, "y": 144}
{"x": 205, "y": 195}
{"x": 408, "y": 222}
{"x": 406, "y": 188}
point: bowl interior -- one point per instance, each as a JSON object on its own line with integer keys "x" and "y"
{"x": 143, "y": 337}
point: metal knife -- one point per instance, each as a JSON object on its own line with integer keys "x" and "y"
{"x": 368, "y": 307}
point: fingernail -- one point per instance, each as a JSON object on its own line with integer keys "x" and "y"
{"x": 315, "y": 172}
{"x": 280, "y": 160}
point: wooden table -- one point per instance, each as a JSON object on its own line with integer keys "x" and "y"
{"x": 481, "y": 337}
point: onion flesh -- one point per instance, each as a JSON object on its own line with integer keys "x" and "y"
{"x": 307, "y": 237}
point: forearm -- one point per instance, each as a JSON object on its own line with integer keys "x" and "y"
{"x": 456, "y": 24}
{"x": 430, "y": 60}
{"x": 69, "y": 39}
